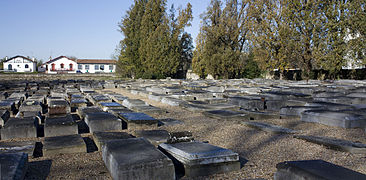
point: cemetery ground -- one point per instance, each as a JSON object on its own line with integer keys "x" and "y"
{"x": 260, "y": 147}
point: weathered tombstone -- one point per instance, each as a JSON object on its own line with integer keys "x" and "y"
{"x": 225, "y": 114}
{"x": 30, "y": 106}
{"x": 9, "y": 106}
{"x": 13, "y": 165}
{"x": 63, "y": 145}
{"x": 18, "y": 146}
{"x": 82, "y": 111}
{"x": 58, "y": 107}
{"x": 201, "y": 159}
{"x": 314, "y": 169}
{"x": 181, "y": 136}
{"x": 172, "y": 101}
{"x": 296, "y": 110}
{"x": 77, "y": 103}
{"x": 60, "y": 126}
{"x": 138, "y": 121}
{"x": 248, "y": 102}
{"x": 102, "y": 121}
{"x": 136, "y": 158}
{"x": 100, "y": 138}
{"x": 155, "y": 137}
{"x": 150, "y": 110}
{"x": 169, "y": 122}
{"x": 334, "y": 118}
{"x": 110, "y": 105}
{"x": 131, "y": 103}
{"x": 20, "y": 128}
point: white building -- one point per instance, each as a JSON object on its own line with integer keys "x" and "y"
{"x": 60, "y": 65}
{"x": 65, "y": 64}
{"x": 96, "y": 65}
{"x": 20, "y": 64}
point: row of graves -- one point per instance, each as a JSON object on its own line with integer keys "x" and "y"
{"x": 50, "y": 118}
{"x": 333, "y": 103}
{"x": 53, "y": 118}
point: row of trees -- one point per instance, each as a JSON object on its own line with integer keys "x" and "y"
{"x": 243, "y": 38}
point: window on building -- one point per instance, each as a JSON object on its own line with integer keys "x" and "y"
{"x": 102, "y": 67}
{"x": 87, "y": 66}
{"x": 110, "y": 67}
{"x": 26, "y": 66}
{"x": 10, "y": 67}
{"x": 62, "y": 66}
{"x": 96, "y": 67}
{"x": 80, "y": 66}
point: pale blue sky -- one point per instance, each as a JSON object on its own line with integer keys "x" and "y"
{"x": 81, "y": 28}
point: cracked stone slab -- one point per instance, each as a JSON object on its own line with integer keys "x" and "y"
{"x": 269, "y": 128}
{"x": 337, "y": 144}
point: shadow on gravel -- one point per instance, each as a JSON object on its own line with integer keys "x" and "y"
{"x": 38, "y": 169}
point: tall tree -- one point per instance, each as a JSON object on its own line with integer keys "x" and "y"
{"x": 222, "y": 39}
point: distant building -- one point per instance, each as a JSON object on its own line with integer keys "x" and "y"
{"x": 20, "y": 64}
{"x": 65, "y": 64}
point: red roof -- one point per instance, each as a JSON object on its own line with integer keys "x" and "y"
{"x": 52, "y": 60}
{"x": 96, "y": 61}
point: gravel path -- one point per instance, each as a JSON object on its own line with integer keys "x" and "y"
{"x": 259, "y": 151}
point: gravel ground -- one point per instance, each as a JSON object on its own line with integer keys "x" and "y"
{"x": 259, "y": 151}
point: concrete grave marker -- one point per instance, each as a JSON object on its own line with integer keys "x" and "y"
{"x": 138, "y": 121}
{"x": 63, "y": 145}
{"x": 60, "y": 126}
{"x": 102, "y": 121}
{"x": 19, "y": 128}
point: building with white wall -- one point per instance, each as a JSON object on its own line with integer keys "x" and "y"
{"x": 20, "y": 64}
{"x": 61, "y": 64}
{"x": 65, "y": 64}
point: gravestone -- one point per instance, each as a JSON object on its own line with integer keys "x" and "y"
{"x": 9, "y": 106}
{"x": 18, "y": 146}
{"x": 100, "y": 138}
{"x": 63, "y": 145}
{"x": 225, "y": 114}
{"x": 60, "y": 126}
{"x": 201, "y": 159}
{"x": 58, "y": 107}
{"x": 138, "y": 121}
{"x": 102, "y": 121}
{"x": 20, "y": 128}
{"x": 136, "y": 158}
{"x": 85, "y": 110}
{"x": 110, "y": 105}
{"x": 131, "y": 103}
{"x": 4, "y": 116}
{"x": 334, "y": 118}
{"x": 314, "y": 169}
{"x": 269, "y": 127}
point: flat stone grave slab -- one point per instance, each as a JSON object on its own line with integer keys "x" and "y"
{"x": 60, "y": 126}
{"x": 57, "y": 107}
{"x": 110, "y": 105}
{"x": 155, "y": 137}
{"x": 269, "y": 127}
{"x": 297, "y": 110}
{"x": 202, "y": 159}
{"x": 330, "y": 106}
{"x": 150, "y": 110}
{"x": 138, "y": 121}
{"x": 156, "y": 97}
{"x": 100, "y": 138}
{"x": 38, "y": 97}
{"x": 172, "y": 101}
{"x": 194, "y": 107}
{"x": 59, "y": 93}
{"x": 8, "y": 105}
{"x": 13, "y": 165}
{"x": 337, "y": 144}
{"x": 50, "y": 98}
{"x": 82, "y": 111}
{"x": 314, "y": 169}
{"x": 30, "y": 106}
{"x": 63, "y": 145}
{"x": 225, "y": 114}
{"x": 118, "y": 98}
{"x": 334, "y": 118}
{"x": 4, "y": 116}
{"x": 102, "y": 121}
{"x": 117, "y": 111}
{"x": 99, "y": 98}
{"x": 17, "y": 102}
{"x": 248, "y": 102}
{"x": 77, "y": 103}
{"x": 169, "y": 122}
{"x": 131, "y": 103}
{"x": 136, "y": 158}
{"x": 19, "y": 146}
{"x": 19, "y": 128}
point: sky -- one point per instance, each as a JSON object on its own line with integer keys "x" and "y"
{"x": 80, "y": 28}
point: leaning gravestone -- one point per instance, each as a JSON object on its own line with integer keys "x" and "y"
{"x": 314, "y": 170}
{"x": 136, "y": 158}
{"x": 201, "y": 159}
{"x": 13, "y": 166}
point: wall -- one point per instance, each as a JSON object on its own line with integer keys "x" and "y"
{"x": 18, "y": 64}
{"x": 58, "y": 68}
{"x": 92, "y": 68}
